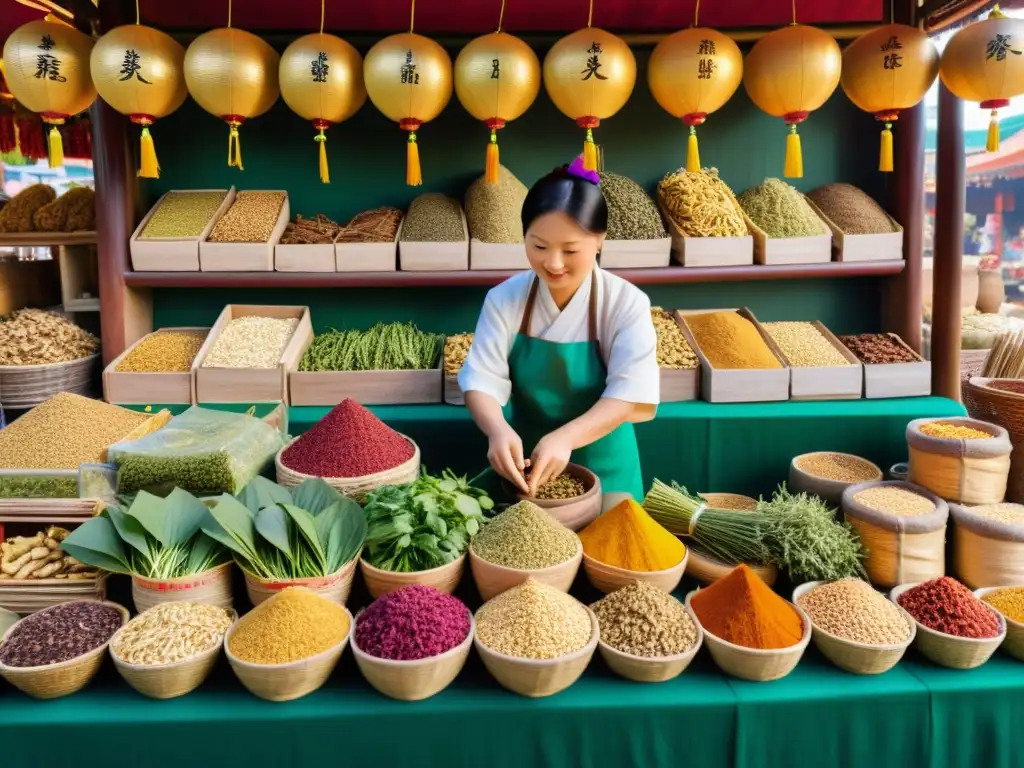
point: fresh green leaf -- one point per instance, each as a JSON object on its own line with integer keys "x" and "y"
{"x": 342, "y": 530}
{"x": 95, "y": 542}
{"x": 307, "y": 529}
{"x": 472, "y": 526}
{"x": 261, "y": 492}
{"x": 151, "y": 513}
{"x": 130, "y": 530}
{"x": 434, "y": 522}
{"x": 231, "y": 524}
{"x": 448, "y": 484}
{"x": 204, "y": 553}
{"x": 274, "y": 525}
{"x": 403, "y": 541}
{"x": 314, "y": 496}
{"x": 469, "y": 507}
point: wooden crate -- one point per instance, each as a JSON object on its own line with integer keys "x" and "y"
{"x": 813, "y": 249}
{"x": 636, "y": 254}
{"x": 886, "y": 246}
{"x": 707, "y": 251}
{"x": 171, "y": 387}
{"x": 722, "y": 385}
{"x": 434, "y": 257}
{"x": 366, "y": 257}
{"x": 366, "y": 387}
{"x": 678, "y": 385}
{"x": 242, "y": 385}
{"x": 160, "y": 254}
{"x": 453, "y": 394}
{"x": 898, "y": 379}
{"x": 304, "y": 257}
{"x": 244, "y": 257}
{"x": 497, "y": 255}
{"x": 826, "y": 382}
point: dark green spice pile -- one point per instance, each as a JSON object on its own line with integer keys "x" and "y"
{"x": 385, "y": 347}
{"x": 433, "y": 218}
{"x": 493, "y": 210}
{"x": 632, "y": 214}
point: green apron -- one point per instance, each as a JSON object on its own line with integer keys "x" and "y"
{"x": 554, "y": 383}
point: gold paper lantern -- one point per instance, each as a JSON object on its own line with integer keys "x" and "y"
{"x": 139, "y": 71}
{"x": 409, "y": 79}
{"x": 47, "y": 69}
{"x": 789, "y": 73}
{"x": 984, "y": 62}
{"x": 693, "y": 73}
{"x": 497, "y": 78}
{"x": 232, "y": 74}
{"x": 6, "y": 97}
{"x": 321, "y": 80}
{"x": 589, "y": 75}
{"x": 888, "y": 69}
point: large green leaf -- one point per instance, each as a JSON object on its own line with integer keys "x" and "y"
{"x": 314, "y": 496}
{"x": 204, "y": 553}
{"x": 95, "y": 542}
{"x": 261, "y": 492}
{"x": 230, "y": 523}
{"x": 307, "y": 528}
{"x": 151, "y": 513}
{"x": 130, "y": 530}
{"x": 273, "y": 524}
{"x": 185, "y": 516}
{"x": 341, "y": 529}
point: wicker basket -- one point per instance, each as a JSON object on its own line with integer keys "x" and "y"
{"x": 858, "y": 658}
{"x": 536, "y": 678}
{"x": 51, "y": 681}
{"x": 212, "y": 587}
{"x": 705, "y": 568}
{"x": 828, "y": 490}
{"x": 899, "y": 549}
{"x": 755, "y": 664}
{"x": 354, "y": 487}
{"x": 494, "y": 579}
{"x": 26, "y": 386}
{"x": 651, "y": 669}
{"x": 949, "y": 650}
{"x": 417, "y": 679}
{"x": 335, "y": 587}
{"x": 965, "y": 471}
{"x": 578, "y": 512}
{"x": 1004, "y": 409}
{"x": 986, "y": 552}
{"x": 608, "y": 578}
{"x": 1014, "y": 642}
{"x": 444, "y": 578}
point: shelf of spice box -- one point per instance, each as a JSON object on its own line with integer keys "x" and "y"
{"x": 124, "y": 382}
{"x": 44, "y": 239}
{"x": 243, "y": 237}
{"x": 168, "y": 237}
{"x": 696, "y": 253}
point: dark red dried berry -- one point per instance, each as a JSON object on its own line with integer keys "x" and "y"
{"x": 947, "y": 606}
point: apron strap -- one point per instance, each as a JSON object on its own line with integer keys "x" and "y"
{"x": 531, "y": 299}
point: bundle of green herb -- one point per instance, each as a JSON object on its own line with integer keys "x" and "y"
{"x": 275, "y": 533}
{"x": 384, "y": 347}
{"x": 423, "y": 525}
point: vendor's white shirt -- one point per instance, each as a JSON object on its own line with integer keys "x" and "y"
{"x": 624, "y": 329}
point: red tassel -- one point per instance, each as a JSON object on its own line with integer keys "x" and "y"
{"x": 77, "y": 143}
{"x": 8, "y": 137}
{"x": 31, "y": 142}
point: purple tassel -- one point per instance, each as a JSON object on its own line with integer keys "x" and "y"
{"x": 577, "y": 170}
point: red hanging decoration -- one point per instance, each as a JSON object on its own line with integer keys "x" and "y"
{"x": 77, "y": 138}
{"x": 8, "y": 136}
{"x": 31, "y": 142}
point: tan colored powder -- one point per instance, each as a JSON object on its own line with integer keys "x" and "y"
{"x": 294, "y": 624}
{"x": 729, "y": 340}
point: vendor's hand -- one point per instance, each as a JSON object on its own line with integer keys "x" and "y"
{"x": 505, "y": 453}
{"x": 549, "y": 459}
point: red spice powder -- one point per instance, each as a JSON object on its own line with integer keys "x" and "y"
{"x": 1016, "y": 386}
{"x": 947, "y": 606}
{"x": 348, "y": 442}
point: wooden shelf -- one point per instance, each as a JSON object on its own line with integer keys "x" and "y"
{"x": 662, "y": 275}
{"x": 42, "y": 239}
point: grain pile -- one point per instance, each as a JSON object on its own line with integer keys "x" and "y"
{"x": 851, "y": 209}
{"x": 182, "y": 215}
{"x": 525, "y": 537}
{"x": 632, "y": 214}
{"x": 250, "y": 219}
{"x": 456, "y": 349}
{"x": 853, "y": 610}
{"x": 319, "y": 230}
{"x": 701, "y": 204}
{"x": 294, "y": 624}
{"x": 729, "y": 340}
{"x": 17, "y": 214}
{"x": 164, "y": 352}
{"x": 74, "y": 211}
{"x": 534, "y": 621}
{"x": 674, "y": 351}
{"x": 892, "y": 500}
{"x": 838, "y": 466}
{"x": 60, "y": 633}
{"x": 878, "y": 348}
{"x": 642, "y": 620}
{"x": 251, "y": 342}
{"x": 948, "y": 431}
{"x": 564, "y": 486}
{"x": 804, "y": 345}
{"x": 493, "y": 210}
{"x": 1009, "y": 601}
{"x": 171, "y": 632}
{"x": 780, "y": 210}
{"x": 37, "y": 337}
{"x": 434, "y": 218}
{"x": 1003, "y": 512}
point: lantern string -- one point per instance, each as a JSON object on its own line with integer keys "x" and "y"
{"x": 696, "y": 14}
{"x": 501, "y": 15}
{"x": 590, "y": 14}
{"x": 323, "y": 3}
{"x": 892, "y": 13}
{"x": 137, "y": 18}
{"x": 229, "y": 14}
{"x": 794, "y": 12}
{"x": 412, "y": 16}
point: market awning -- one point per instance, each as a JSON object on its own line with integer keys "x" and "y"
{"x": 1007, "y": 163}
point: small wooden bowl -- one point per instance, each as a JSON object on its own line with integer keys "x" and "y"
{"x": 755, "y": 664}
{"x": 850, "y": 655}
{"x": 536, "y": 678}
{"x": 418, "y": 679}
{"x": 949, "y": 650}
{"x": 292, "y": 680}
{"x": 335, "y": 587}
{"x": 492, "y": 579}
{"x": 1014, "y": 642}
{"x": 51, "y": 681}
{"x": 707, "y": 570}
{"x": 651, "y": 669}
{"x": 829, "y": 491}
{"x": 168, "y": 681}
{"x": 576, "y": 513}
{"x": 608, "y": 578}
{"x": 444, "y": 578}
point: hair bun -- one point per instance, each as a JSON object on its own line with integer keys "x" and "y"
{"x": 580, "y": 172}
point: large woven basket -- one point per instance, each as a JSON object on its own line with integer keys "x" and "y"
{"x": 354, "y": 487}
{"x": 986, "y": 552}
{"x": 335, "y": 587}
{"x": 965, "y": 471}
{"x": 492, "y": 579}
{"x": 26, "y": 386}
{"x": 1005, "y": 409}
{"x": 608, "y": 578}
{"x": 444, "y": 578}
{"x": 1014, "y": 642}
{"x": 212, "y": 587}
{"x": 651, "y": 669}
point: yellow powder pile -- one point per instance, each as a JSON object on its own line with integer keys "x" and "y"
{"x": 729, "y": 340}
{"x": 294, "y": 624}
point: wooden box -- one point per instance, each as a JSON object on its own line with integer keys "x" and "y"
{"x": 723, "y": 385}
{"x": 497, "y": 255}
{"x": 636, "y": 254}
{"x": 898, "y": 379}
{"x": 142, "y": 388}
{"x": 813, "y": 249}
{"x": 887, "y": 246}
{"x": 416, "y": 256}
{"x": 453, "y": 394}
{"x": 366, "y": 257}
{"x": 161, "y": 254}
{"x": 366, "y": 387}
{"x": 679, "y": 384}
{"x": 707, "y": 251}
{"x": 244, "y": 257}
{"x": 831, "y": 382}
{"x": 304, "y": 257}
{"x": 234, "y": 385}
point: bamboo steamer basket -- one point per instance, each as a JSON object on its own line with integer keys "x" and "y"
{"x": 536, "y": 678}
{"x": 492, "y": 579}
{"x": 828, "y": 490}
{"x": 755, "y": 664}
{"x": 706, "y": 569}
{"x": 956, "y": 469}
{"x": 292, "y": 680}
{"x": 850, "y": 655}
{"x": 417, "y": 679}
{"x": 168, "y": 681}
{"x": 986, "y": 552}
{"x": 608, "y": 578}
{"x": 26, "y": 386}
{"x": 212, "y": 587}
{"x": 578, "y": 512}
{"x": 335, "y": 587}
{"x": 445, "y": 578}
{"x": 949, "y": 650}
{"x": 51, "y": 681}
{"x": 354, "y": 487}
{"x": 651, "y": 669}
{"x": 1014, "y": 642}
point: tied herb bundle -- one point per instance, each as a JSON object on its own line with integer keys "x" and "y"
{"x": 797, "y": 533}
{"x": 385, "y": 347}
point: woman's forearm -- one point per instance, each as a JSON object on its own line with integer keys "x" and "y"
{"x": 606, "y": 415}
{"x": 486, "y": 412}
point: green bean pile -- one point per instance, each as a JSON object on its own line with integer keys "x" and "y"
{"x": 385, "y": 347}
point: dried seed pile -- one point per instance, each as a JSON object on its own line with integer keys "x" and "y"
{"x": 780, "y": 210}
{"x": 701, "y": 204}
{"x": 851, "y": 209}
{"x": 892, "y": 500}
{"x": 164, "y": 352}
{"x": 642, "y": 620}
{"x": 838, "y": 466}
{"x": 524, "y": 536}
{"x": 674, "y": 351}
{"x": 74, "y": 211}
{"x": 1003, "y": 512}
{"x": 294, "y": 624}
{"x": 414, "y": 622}
{"x": 17, "y": 214}
{"x": 433, "y": 218}
{"x": 456, "y": 348}
{"x": 40, "y": 557}
{"x": 632, "y": 214}
{"x": 37, "y": 337}
{"x": 171, "y": 632}
{"x": 534, "y": 621}
{"x": 729, "y": 340}
{"x": 878, "y": 348}
{"x": 953, "y": 431}
{"x": 319, "y": 230}
{"x": 493, "y": 210}
{"x": 565, "y": 486}
{"x": 251, "y": 342}
{"x": 250, "y": 219}
{"x": 804, "y": 345}
{"x": 379, "y": 225}
{"x": 1009, "y": 601}
{"x": 947, "y": 606}
{"x": 60, "y": 633}
{"x": 853, "y": 610}
{"x": 384, "y": 347}
{"x": 182, "y": 215}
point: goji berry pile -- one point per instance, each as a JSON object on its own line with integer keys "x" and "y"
{"x": 947, "y": 606}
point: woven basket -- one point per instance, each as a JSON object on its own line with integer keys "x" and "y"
{"x": 852, "y": 656}
{"x": 335, "y": 587}
{"x": 965, "y": 471}
{"x": 899, "y": 549}
{"x": 494, "y": 579}
{"x": 608, "y": 578}
{"x": 537, "y": 678}
{"x": 285, "y": 682}
{"x": 576, "y": 513}
{"x": 168, "y": 681}
{"x": 51, "y": 681}
{"x": 212, "y": 587}
{"x": 755, "y": 664}
{"x": 986, "y": 552}
{"x": 1014, "y": 642}
{"x": 651, "y": 669}
{"x": 444, "y": 578}
{"x": 1004, "y": 409}
{"x": 354, "y": 487}
{"x": 417, "y": 679}
{"x": 706, "y": 569}
{"x": 26, "y": 386}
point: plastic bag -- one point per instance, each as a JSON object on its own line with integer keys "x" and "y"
{"x": 201, "y": 451}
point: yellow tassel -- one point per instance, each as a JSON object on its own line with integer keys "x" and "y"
{"x": 692, "y": 152}
{"x": 413, "y": 174}
{"x": 56, "y": 148}
{"x": 235, "y": 149}
{"x": 492, "y": 160}
{"x": 885, "y": 150}
{"x": 149, "y": 167}
{"x": 794, "y": 155}
{"x": 325, "y": 173}
{"x": 992, "y": 144}
{"x": 589, "y": 152}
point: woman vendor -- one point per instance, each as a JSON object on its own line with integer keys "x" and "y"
{"x": 570, "y": 346}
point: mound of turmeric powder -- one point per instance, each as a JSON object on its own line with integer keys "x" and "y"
{"x": 729, "y": 340}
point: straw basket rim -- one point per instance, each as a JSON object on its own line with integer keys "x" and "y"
{"x": 249, "y": 575}
{"x": 640, "y": 575}
{"x": 99, "y": 650}
{"x": 248, "y": 665}
{"x": 894, "y": 595}
{"x": 793, "y": 465}
{"x": 535, "y": 572}
{"x": 406, "y": 664}
{"x": 364, "y": 563}
{"x": 800, "y": 646}
{"x": 179, "y": 579}
{"x": 982, "y": 591}
{"x": 50, "y": 366}
{"x": 169, "y": 666}
{"x": 586, "y": 650}
{"x": 412, "y": 461}
{"x": 902, "y": 646}
{"x": 585, "y": 476}
{"x": 689, "y": 653}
